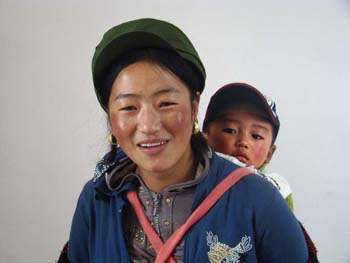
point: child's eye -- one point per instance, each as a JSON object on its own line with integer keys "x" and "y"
{"x": 166, "y": 104}
{"x": 128, "y": 108}
{"x": 230, "y": 131}
{"x": 257, "y": 137}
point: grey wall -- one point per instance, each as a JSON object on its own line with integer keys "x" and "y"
{"x": 53, "y": 131}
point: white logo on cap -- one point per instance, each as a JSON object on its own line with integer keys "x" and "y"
{"x": 271, "y": 104}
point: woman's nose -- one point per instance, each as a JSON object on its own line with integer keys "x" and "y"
{"x": 149, "y": 121}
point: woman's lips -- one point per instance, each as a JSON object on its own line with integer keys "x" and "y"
{"x": 153, "y": 147}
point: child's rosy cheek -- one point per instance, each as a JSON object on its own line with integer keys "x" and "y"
{"x": 260, "y": 152}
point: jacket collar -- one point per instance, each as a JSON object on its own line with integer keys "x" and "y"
{"x": 115, "y": 173}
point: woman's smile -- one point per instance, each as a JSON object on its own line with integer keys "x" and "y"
{"x": 153, "y": 147}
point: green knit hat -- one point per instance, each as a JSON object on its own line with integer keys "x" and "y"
{"x": 136, "y": 34}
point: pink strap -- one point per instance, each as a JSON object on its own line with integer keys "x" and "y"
{"x": 153, "y": 237}
{"x": 164, "y": 251}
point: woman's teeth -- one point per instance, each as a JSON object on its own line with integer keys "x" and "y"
{"x": 149, "y": 145}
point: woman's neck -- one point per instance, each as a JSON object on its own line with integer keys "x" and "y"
{"x": 183, "y": 171}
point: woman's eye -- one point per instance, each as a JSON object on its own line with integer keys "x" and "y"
{"x": 166, "y": 104}
{"x": 257, "y": 137}
{"x": 229, "y": 130}
{"x": 128, "y": 108}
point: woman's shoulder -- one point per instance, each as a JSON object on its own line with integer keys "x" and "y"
{"x": 252, "y": 184}
{"x": 88, "y": 191}
{"x": 279, "y": 182}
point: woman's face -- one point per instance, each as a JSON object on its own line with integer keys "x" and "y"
{"x": 151, "y": 115}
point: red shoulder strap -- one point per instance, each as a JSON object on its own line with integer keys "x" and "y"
{"x": 164, "y": 250}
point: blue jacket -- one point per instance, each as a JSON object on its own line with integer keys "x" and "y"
{"x": 250, "y": 223}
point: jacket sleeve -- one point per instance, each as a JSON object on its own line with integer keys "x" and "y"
{"x": 280, "y": 238}
{"x": 78, "y": 248}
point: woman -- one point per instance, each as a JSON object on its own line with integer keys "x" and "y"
{"x": 148, "y": 78}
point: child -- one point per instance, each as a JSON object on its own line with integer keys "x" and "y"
{"x": 242, "y": 124}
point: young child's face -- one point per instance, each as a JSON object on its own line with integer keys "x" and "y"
{"x": 244, "y": 133}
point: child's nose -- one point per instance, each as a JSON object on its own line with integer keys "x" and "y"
{"x": 242, "y": 140}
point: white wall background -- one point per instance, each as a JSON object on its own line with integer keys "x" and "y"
{"x": 53, "y": 131}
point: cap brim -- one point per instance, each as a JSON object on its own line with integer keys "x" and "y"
{"x": 233, "y": 94}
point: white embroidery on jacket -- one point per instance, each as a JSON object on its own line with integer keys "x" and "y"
{"x": 222, "y": 253}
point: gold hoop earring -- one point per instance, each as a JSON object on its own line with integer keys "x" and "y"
{"x": 195, "y": 127}
{"x": 112, "y": 140}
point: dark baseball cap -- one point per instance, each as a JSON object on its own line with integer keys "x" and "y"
{"x": 236, "y": 93}
{"x": 139, "y": 34}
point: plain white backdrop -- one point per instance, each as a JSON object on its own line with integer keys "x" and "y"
{"x": 53, "y": 131}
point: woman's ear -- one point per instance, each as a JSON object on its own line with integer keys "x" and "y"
{"x": 205, "y": 135}
{"x": 109, "y": 126}
{"x": 270, "y": 153}
{"x": 195, "y": 104}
